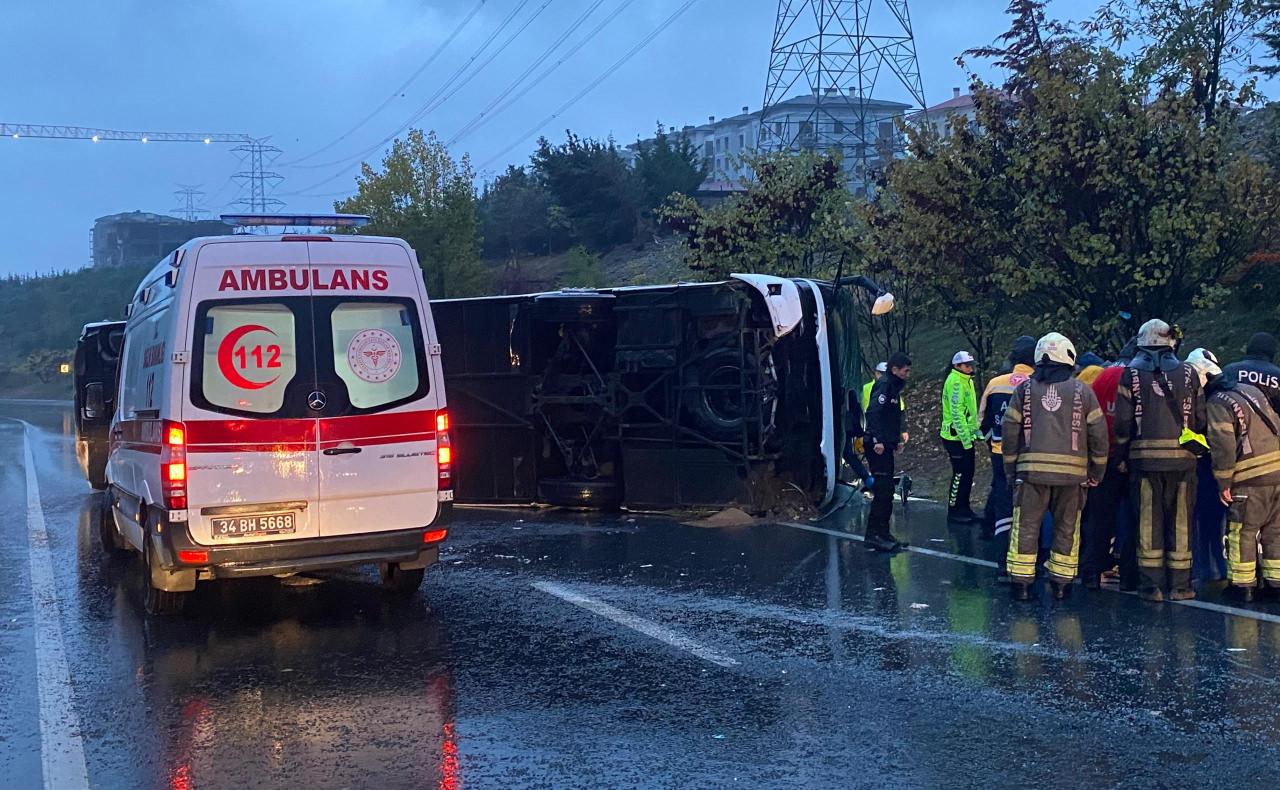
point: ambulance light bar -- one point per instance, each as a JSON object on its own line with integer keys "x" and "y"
{"x": 296, "y": 220}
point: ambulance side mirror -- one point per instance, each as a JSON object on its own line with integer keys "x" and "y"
{"x": 95, "y": 401}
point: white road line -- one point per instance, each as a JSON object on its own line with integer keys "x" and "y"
{"x": 913, "y": 549}
{"x": 646, "y": 627}
{"x": 1205, "y": 605}
{"x": 61, "y": 745}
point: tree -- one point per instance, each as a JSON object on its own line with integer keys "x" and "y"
{"x": 941, "y": 222}
{"x": 582, "y": 270}
{"x": 1269, "y": 37}
{"x": 795, "y": 218}
{"x": 518, "y": 217}
{"x": 44, "y": 363}
{"x": 424, "y": 196}
{"x": 1194, "y": 44}
{"x": 667, "y": 166}
{"x": 591, "y": 182}
{"x": 1106, "y": 201}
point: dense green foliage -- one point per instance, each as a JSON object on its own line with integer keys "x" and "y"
{"x": 426, "y": 197}
{"x": 41, "y": 317}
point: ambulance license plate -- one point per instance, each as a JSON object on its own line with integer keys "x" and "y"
{"x": 244, "y": 526}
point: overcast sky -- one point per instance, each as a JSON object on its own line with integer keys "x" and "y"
{"x": 305, "y": 71}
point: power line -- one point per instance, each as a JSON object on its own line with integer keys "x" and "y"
{"x": 398, "y": 92}
{"x": 346, "y": 160}
{"x": 436, "y": 101}
{"x": 484, "y": 115}
{"x": 189, "y": 195}
{"x": 594, "y": 83}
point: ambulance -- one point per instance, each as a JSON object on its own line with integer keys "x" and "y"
{"x": 281, "y": 409}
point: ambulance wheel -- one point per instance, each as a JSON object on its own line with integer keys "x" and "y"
{"x": 159, "y": 603}
{"x": 112, "y": 543}
{"x": 400, "y": 581}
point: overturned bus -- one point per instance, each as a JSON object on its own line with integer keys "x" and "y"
{"x": 679, "y": 396}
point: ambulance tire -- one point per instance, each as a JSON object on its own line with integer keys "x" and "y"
{"x": 602, "y": 494}
{"x": 156, "y": 602}
{"x": 112, "y": 543}
{"x": 399, "y": 581}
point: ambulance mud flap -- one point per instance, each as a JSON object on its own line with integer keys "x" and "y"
{"x": 162, "y": 578}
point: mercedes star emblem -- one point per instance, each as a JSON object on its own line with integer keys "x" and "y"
{"x": 316, "y": 401}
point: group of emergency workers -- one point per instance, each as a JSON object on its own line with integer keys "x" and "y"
{"x": 1128, "y": 470}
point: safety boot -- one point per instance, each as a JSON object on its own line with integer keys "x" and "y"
{"x": 1182, "y": 594}
{"x": 1241, "y": 593}
{"x": 1021, "y": 591}
{"x": 1153, "y": 594}
{"x": 1061, "y": 590}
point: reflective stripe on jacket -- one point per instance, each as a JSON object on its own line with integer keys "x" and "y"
{"x": 1054, "y": 434}
{"x": 1148, "y": 422}
{"x": 995, "y": 399}
{"x": 1245, "y": 451}
{"x": 959, "y": 409}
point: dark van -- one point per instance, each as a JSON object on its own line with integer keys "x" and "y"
{"x": 97, "y": 370}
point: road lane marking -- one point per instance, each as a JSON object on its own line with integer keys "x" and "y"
{"x": 646, "y": 627}
{"x": 1194, "y": 604}
{"x": 61, "y": 745}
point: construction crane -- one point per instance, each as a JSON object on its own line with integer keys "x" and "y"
{"x": 54, "y": 132}
{"x": 256, "y": 153}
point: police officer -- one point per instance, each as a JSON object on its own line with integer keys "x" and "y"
{"x": 1258, "y": 368}
{"x": 998, "y": 514}
{"x": 1244, "y": 436}
{"x": 884, "y": 432}
{"x": 1055, "y": 446}
{"x": 1159, "y": 428}
{"x": 959, "y": 431}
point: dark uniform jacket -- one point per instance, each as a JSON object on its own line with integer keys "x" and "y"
{"x": 1054, "y": 433}
{"x": 884, "y": 412}
{"x": 1246, "y": 451}
{"x": 1256, "y": 372}
{"x": 1149, "y": 418}
{"x": 995, "y": 400}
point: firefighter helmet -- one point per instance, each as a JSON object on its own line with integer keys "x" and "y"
{"x": 1054, "y": 347}
{"x": 1204, "y": 363}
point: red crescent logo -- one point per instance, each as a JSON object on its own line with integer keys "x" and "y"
{"x": 227, "y": 365}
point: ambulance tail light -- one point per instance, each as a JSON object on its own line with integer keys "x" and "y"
{"x": 173, "y": 464}
{"x": 444, "y": 451}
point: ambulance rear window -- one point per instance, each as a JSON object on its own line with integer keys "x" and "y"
{"x": 374, "y": 351}
{"x": 249, "y": 356}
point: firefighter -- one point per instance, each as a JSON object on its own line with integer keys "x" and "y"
{"x": 1055, "y": 446}
{"x": 1244, "y": 437}
{"x": 1159, "y": 429}
{"x": 1258, "y": 368}
{"x": 959, "y": 431}
{"x": 998, "y": 513}
{"x": 884, "y": 433}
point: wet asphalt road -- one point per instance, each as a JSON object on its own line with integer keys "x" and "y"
{"x": 557, "y": 650}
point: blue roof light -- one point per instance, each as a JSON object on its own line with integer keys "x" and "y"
{"x": 296, "y": 220}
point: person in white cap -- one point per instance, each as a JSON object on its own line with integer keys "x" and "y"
{"x": 1208, "y": 559}
{"x": 959, "y": 432}
{"x": 1159, "y": 427}
{"x": 1055, "y": 447}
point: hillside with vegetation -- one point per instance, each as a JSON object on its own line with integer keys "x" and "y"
{"x": 41, "y": 317}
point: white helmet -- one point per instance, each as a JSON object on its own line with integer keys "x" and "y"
{"x": 1156, "y": 333}
{"x": 1056, "y": 348}
{"x": 961, "y": 358}
{"x": 1204, "y": 363}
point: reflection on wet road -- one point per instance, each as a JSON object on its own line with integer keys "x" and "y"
{"x": 557, "y": 649}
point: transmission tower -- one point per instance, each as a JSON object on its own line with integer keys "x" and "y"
{"x": 827, "y": 75}
{"x": 255, "y": 180}
{"x": 188, "y": 202}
